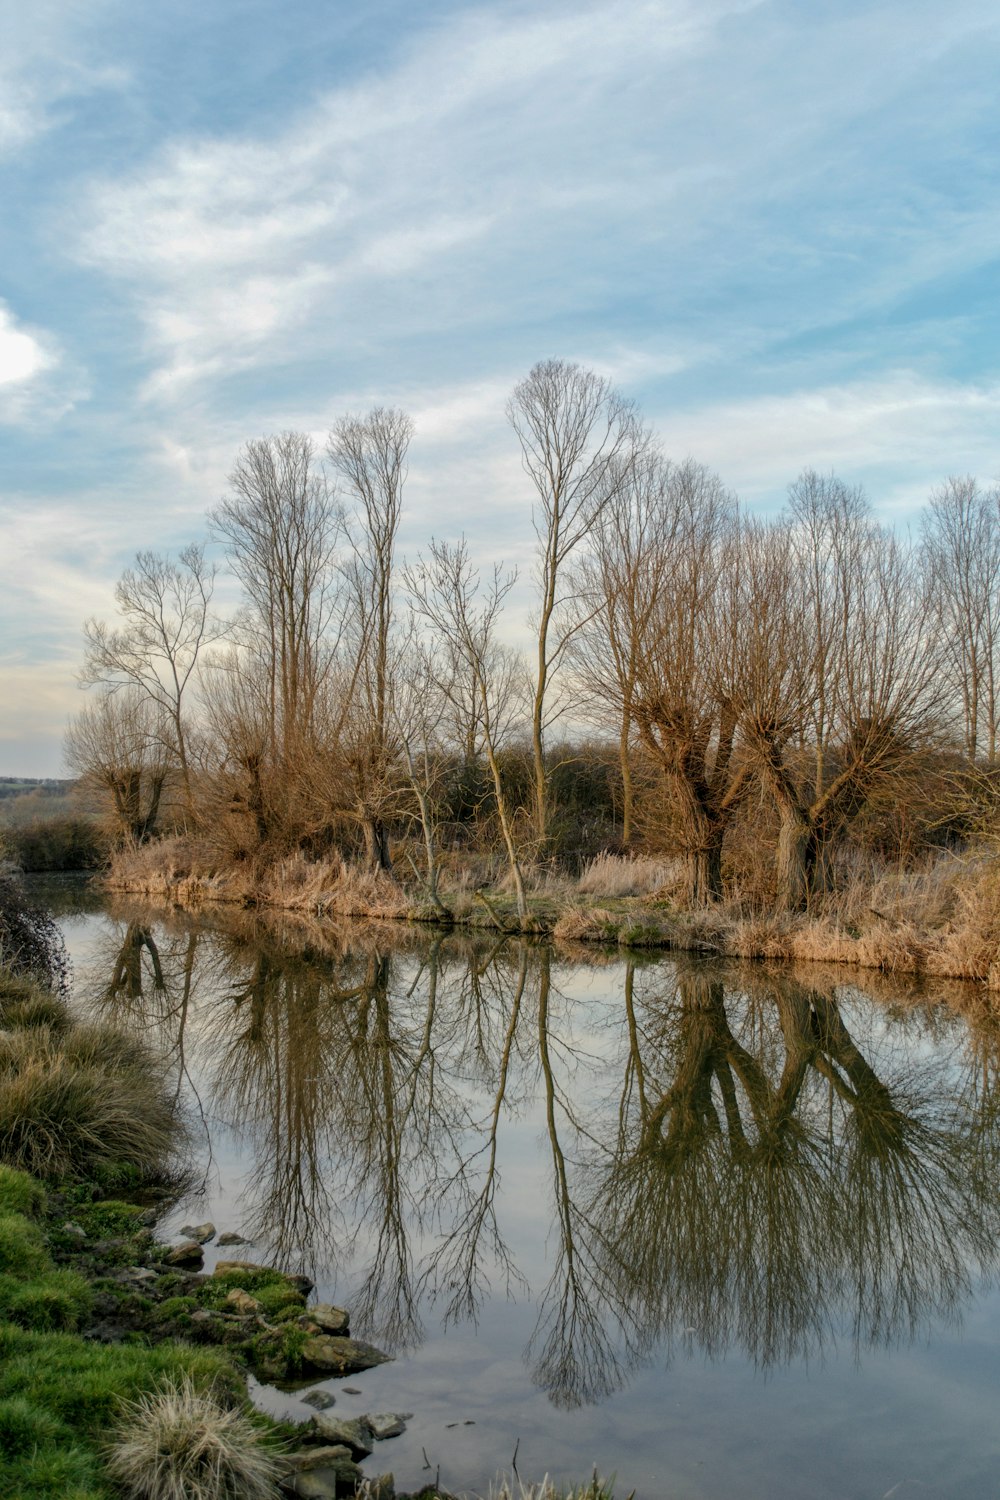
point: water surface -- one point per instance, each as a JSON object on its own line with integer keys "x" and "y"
{"x": 728, "y": 1231}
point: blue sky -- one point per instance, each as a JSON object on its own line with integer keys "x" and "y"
{"x": 776, "y": 225}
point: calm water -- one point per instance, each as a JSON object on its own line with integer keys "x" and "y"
{"x": 726, "y": 1231}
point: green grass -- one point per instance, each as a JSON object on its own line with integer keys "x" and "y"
{"x": 55, "y": 1300}
{"x": 259, "y": 1284}
{"x": 20, "y": 1194}
{"x": 108, "y": 1219}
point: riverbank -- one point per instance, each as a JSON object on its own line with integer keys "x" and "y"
{"x": 942, "y": 921}
{"x": 123, "y": 1365}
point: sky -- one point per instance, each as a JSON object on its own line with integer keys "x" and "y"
{"x": 774, "y": 223}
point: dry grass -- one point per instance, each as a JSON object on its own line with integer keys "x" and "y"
{"x": 513, "y": 1487}
{"x": 941, "y": 919}
{"x": 179, "y": 1444}
{"x": 72, "y": 1100}
{"x": 611, "y": 876}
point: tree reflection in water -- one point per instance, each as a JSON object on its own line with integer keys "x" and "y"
{"x": 739, "y": 1158}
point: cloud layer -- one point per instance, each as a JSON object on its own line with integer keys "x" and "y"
{"x": 773, "y": 224}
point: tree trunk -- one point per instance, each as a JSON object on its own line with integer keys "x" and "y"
{"x": 626, "y": 769}
{"x": 376, "y": 845}
{"x": 703, "y": 868}
{"x": 795, "y": 858}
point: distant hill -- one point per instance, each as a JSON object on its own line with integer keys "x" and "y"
{"x": 44, "y": 786}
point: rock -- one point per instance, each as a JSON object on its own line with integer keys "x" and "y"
{"x": 138, "y": 1275}
{"x": 200, "y": 1232}
{"x": 353, "y": 1431}
{"x": 316, "y": 1458}
{"x": 342, "y": 1478}
{"x": 341, "y": 1356}
{"x": 76, "y": 1230}
{"x": 242, "y": 1302}
{"x": 321, "y": 1400}
{"x": 328, "y": 1318}
{"x": 231, "y": 1238}
{"x": 204, "y": 1316}
{"x": 352, "y": 1390}
{"x": 189, "y": 1253}
{"x": 386, "y": 1424}
{"x": 301, "y": 1283}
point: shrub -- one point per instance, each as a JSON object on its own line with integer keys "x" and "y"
{"x": 176, "y": 1443}
{"x": 31, "y": 944}
{"x": 63, "y": 842}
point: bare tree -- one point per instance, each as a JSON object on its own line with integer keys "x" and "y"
{"x": 445, "y": 591}
{"x": 369, "y": 455}
{"x": 419, "y": 710}
{"x": 166, "y": 607}
{"x": 576, "y": 434}
{"x": 117, "y": 745}
{"x": 961, "y": 549}
{"x": 857, "y": 652}
{"x": 615, "y": 604}
{"x": 282, "y": 525}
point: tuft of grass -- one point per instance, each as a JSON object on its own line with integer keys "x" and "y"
{"x": 610, "y": 876}
{"x": 36, "y": 1008}
{"x": 55, "y": 1300}
{"x": 178, "y": 1443}
{"x": 20, "y": 1193}
{"x": 71, "y": 1103}
{"x": 22, "y": 1247}
{"x": 83, "y": 1384}
{"x": 108, "y": 1219}
{"x": 512, "y": 1487}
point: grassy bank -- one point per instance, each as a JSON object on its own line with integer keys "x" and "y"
{"x": 942, "y": 919}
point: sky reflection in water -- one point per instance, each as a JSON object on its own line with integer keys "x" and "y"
{"x": 725, "y": 1230}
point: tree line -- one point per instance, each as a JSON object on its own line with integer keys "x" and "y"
{"x": 701, "y": 678}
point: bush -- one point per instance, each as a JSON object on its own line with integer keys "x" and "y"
{"x": 178, "y": 1444}
{"x": 31, "y": 944}
{"x": 62, "y": 842}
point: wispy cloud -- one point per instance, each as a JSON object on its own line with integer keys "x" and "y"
{"x": 430, "y": 177}
{"x": 46, "y": 60}
{"x": 900, "y": 433}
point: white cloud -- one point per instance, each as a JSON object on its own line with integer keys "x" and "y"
{"x": 47, "y": 60}
{"x": 900, "y": 433}
{"x": 400, "y": 202}
{"x": 23, "y": 356}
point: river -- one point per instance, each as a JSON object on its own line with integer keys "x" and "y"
{"x": 727, "y": 1231}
